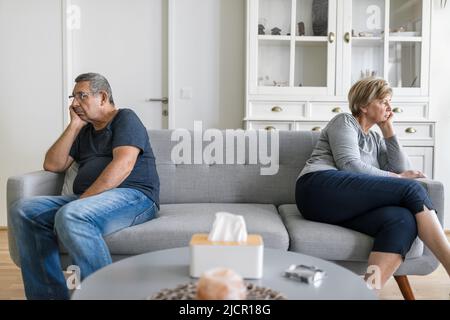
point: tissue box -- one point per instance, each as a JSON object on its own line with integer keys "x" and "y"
{"x": 246, "y": 258}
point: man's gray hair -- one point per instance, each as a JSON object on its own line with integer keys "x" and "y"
{"x": 97, "y": 83}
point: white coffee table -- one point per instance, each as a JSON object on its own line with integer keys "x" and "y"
{"x": 143, "y": 275}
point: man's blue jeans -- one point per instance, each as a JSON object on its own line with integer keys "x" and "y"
{"x": 79, "y": 225}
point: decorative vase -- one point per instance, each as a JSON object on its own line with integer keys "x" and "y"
{"x": 320, "y": 17}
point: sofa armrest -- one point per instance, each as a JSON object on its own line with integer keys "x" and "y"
{"x": 38, "y": 183}
{"x": 436, "y": 192}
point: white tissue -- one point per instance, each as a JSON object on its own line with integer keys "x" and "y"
{"x": 228, "y": 227}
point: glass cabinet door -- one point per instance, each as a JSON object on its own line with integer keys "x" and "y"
{"x": 405, "y": 43}
{"x": 384, "y": 38}
{"x": 312, "y": 28}
{"x": 274, "y": 46}
{"x": 293, "y": 46}
{"x": 367, "y": 45}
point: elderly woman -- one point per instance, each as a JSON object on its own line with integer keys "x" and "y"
{"x": 359, "y": 180}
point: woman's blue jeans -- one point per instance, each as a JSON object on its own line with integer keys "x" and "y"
{"x": 381, "y": 207}
{"x": 39, "y": 222}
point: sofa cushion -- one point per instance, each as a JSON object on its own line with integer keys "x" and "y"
{"x": 176, "y": 223}
{"x": 328, "y": 241}
{"x": 69, "y": 178}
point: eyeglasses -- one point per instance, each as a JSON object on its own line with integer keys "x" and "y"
{"x": 80, "y": 96}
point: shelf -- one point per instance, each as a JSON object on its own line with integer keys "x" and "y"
{"x": 367, "y": 41}
{"x": 273, "y": 38}
{"x": 274, "y": 41}
{"x": 405, "y": 39}
{"x": 311, "y": 44}
{"x": 311, "y": 39}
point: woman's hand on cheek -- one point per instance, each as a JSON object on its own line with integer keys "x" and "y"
{"x": 386, "y": 126}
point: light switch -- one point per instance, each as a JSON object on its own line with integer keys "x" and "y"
{"x": 186, "y": 93}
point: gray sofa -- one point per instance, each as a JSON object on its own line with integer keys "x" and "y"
{"x": 192, "y": 194}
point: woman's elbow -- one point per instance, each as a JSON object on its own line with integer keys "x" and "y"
{"x": 349, "y": 166}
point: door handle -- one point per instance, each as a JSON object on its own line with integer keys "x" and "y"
{"x": 163, "y": 100}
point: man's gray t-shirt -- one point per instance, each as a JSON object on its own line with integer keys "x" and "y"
{"x": 93, "y": 150}
{"x": 343, "y": 145}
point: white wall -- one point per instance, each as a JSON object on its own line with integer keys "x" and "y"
{"x": 440, "y": 96}
{"x": 30, "y": 86}
{"x": 208, "y": 49}
{"x": 210, "y": 46}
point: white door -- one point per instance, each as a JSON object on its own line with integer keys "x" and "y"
{"x": 126, "y": 41}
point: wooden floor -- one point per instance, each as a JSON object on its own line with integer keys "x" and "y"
{"x": 11, "y": 286}
{"x": 433, "y": 286}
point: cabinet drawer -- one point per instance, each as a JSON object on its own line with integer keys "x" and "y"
{"x": 263, "y": 125}
{"x": 275, "y": 110}
{"x": 411, "y": 131}
{"x": 328, "y": 110}
{"x": 409, "y": 111}
{"x": 414, "y": 131}
{"x": 310, "y": 126}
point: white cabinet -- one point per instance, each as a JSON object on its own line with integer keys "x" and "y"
{"x": 283, "y": 59}
{"x": 277, "y": 111}
{"x": 421, "y": 159}
{"x": 304, "y": 55}
{"x": 387, "y": 38}
{"x": 321, "y": 47}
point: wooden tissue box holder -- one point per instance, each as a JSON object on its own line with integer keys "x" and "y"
{"x": 245, "y": 258}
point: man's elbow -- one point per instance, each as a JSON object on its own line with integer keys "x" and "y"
{"x": 52, "y": 168}
{"x": 48, "y": 167}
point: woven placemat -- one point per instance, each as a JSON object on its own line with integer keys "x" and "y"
{"x": 188, "y": 292}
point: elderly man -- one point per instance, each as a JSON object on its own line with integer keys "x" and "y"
{"x": 117, "y": 186}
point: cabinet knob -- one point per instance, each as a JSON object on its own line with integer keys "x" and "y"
{"x": 331, "y": 37}
{"x": 410, "y": 130}
{"x": 398, "y": 110}
{"x": 316, "y": 129}
{"x": 270, "y": 128}
{"x": 347, "y": 37}
{"x": 277, "y": 109}
{"x": 337, "y": 110}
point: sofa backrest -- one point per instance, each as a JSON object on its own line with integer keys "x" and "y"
{"x": 230, "y": 183}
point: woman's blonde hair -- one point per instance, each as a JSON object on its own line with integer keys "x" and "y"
{"x": 365, "y": 91}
